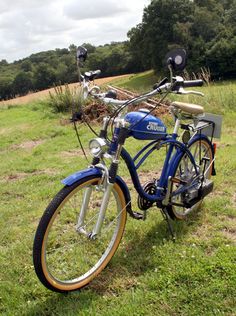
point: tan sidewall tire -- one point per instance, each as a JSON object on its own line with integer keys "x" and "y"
{"x": 59, "y": 286}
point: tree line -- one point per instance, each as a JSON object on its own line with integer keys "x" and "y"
{"x": 205, "y": 28}
{"x": 46, "y": 69}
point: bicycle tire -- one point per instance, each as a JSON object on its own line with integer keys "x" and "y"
{"x": 55, "y": 269}
{"x": 181, "y": 213}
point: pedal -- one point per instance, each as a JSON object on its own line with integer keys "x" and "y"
{"x": 139, "y": 216}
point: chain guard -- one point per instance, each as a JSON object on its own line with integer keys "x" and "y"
{"x": 149, "y": 188}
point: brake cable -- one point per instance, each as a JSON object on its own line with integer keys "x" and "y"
{"x": 79, "y": 140}
{"x": 84, "y": 120}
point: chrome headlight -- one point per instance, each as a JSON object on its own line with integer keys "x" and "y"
{"x": 98, "y": 146}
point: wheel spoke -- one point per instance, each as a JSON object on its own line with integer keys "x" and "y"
{"x": 71, "y": 259}
{"x": 186, "y": 172}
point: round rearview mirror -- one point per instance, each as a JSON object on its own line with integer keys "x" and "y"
{"x": 177, "y": 58}
{"x": 81, "y": 54}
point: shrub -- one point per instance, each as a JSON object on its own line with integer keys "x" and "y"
{"x": 65, "y": 99}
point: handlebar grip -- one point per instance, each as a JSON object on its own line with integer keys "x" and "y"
{"x": 193, "y": 83}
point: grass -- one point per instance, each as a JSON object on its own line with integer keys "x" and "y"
{"x": 149, "y": 274}
{"x": 138, "y": 82}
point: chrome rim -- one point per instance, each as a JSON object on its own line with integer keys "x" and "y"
{"x": 186, "y": 172}
{"x": 70, "y": 256}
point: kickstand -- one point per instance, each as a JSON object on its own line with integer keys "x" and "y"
{"x": 168, "y": 220}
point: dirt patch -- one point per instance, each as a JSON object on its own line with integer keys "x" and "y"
{"x": 16, "y": 176}
{"x": 49, "y": 172}
{"x": 144, "y": 176}
{"x": 229, "y": 229}
{"x": 5, "y": 130}
{"x": 111, "y": 281}
{"x": 234, "y": 200}
{"x": 20, "y": 128}
{"x": 230, "y": 234}
{"x": 28, "y": 145}
{"x": 222, "y": 145}
{"x": 73, "y": 153}
{"x": 96, "y": 112}
{"x": 203, "y": 231}
{"x": 22, "y": 175}
{"x": 12, "y": 194}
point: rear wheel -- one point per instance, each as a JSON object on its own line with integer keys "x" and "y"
{"x": 65, "y": 258}
{"x": 185, "y": 172}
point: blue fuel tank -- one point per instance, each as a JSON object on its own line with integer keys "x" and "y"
{"x": 145, "y": 127}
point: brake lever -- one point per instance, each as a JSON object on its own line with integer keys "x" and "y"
{"x": 185, "y": 92}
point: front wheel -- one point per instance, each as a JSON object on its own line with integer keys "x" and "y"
{"x": 185, "y": 172}
{"x": 65, "y": 258}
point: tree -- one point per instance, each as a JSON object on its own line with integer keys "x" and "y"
{"x": 22, "y": 83}
{"x": 3, "y": 62}
{"x": 141, "y": 57}
{"x": 221, "y": 58}
{"x": 90, "y": 48}
{"x": 6, "y": 91}
{"x": 26, "y": 65}
{"x": 44, "y": 76}
{"x": 61, "y": 74}
{"x": 206, "y": 28}
{"x": 72, "y": 48}
{"x": 157, "y": 32}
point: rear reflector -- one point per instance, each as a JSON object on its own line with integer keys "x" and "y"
{"x": 214, "y": 148}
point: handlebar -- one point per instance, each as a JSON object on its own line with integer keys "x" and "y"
{"x": 176, "y": 86}
{"x": 179, "y": 84}
{"x": 193, "y": 83}
{"x": 108, "y": 100}
{"x": 165, "y": 87}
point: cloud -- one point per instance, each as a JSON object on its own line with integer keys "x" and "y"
{"x": 31, "y": 26}
{"x": 8, "y": 6}
{"x": 81, "y": 10}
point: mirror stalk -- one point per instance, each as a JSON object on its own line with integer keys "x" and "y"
{"x": 171, "y": 73}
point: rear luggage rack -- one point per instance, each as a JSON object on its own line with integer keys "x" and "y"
{"x": 209, "y": 125}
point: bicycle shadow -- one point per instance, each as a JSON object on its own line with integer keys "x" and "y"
{"x": 136, "y": 257}
{"x": 132, "y": 260}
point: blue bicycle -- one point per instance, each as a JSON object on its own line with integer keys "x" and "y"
{"x": 82, "y": 227}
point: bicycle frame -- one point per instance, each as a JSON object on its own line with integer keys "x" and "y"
{"x": 169, "y": 167}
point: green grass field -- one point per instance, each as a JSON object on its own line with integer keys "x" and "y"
{"x": 149, "y": 275}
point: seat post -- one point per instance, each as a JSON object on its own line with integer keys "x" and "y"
{"x": 177, "y": 125}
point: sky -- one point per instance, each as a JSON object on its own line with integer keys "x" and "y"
{"x": 31, "y": 26}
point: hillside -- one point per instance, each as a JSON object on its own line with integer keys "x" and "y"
{"x": 45, "y": 69}
{"x": 40, "y": 95}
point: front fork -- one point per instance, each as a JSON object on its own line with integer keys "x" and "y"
{"x": 108, "y": 181}
{"x": 109, "y": 178}
{"x": 86, "y": 198}
{"x": 107, "y": 186}
{"x": 106, "y": 197}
